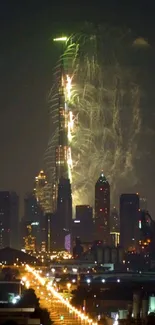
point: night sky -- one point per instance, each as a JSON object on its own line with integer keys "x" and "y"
{"x": 27, "y": 58}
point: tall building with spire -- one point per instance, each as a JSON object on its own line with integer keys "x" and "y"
{"x": 61, "y": 157}
{"x": 43, "y": 193}
{"x": 62, "y": 191}
{"x": 102, "y": 210}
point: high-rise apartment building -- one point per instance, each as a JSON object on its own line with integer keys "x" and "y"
{"x": 129, "y": 221}
{"x": 9, "y": 219}
{"x": 102, "y": 210}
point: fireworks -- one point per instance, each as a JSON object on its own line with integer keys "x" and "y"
{"x": 104, "y": 120}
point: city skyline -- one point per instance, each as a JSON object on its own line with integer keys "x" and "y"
{"x": 77, "y": 176}
{"x": 26, "y": 75}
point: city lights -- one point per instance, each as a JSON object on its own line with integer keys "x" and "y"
{"x": 68, "y": 285}
{"x": 71, "y": 309}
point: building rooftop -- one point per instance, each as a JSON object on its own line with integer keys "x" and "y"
{"x": 10, "y": 256}
{"x": 102, "y": 178}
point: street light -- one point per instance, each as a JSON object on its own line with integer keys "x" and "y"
{"x": 68, "y": 285}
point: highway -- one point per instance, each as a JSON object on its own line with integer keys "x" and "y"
{"x": 59, "y": 314}
{"x": 61, "y": 311}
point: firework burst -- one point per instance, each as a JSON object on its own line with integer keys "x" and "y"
{"x": 104, "y": 101}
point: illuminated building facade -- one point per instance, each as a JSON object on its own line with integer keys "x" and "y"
{"x": 129, "y": 222}
{"x": 9, "y": 220}
{"x": 114, "y": 238}
{"x": 29, "y": 240}
{"x": 63, "y": 158}
{"x": 147, "y": 234}
{"x": 62, "y": 148}
{"x": 62, "y": 194}
{"x": 43, "y": 192}
{"x": 32, "y": 221}
{"x": 114, "y": 227}
{"x": 102, "y": 210}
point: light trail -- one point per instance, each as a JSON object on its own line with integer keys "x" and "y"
{"x": 71, "y": 308}
{"x": 68, "y": 87}
{"x": 70, "y": 123}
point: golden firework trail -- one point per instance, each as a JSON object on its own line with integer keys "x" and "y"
{"x": 103, "y": 114}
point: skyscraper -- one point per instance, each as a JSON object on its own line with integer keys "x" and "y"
{"x": 32, "y": 209}
{"x": 32, "y": 223}
{"x": 129, "y": 221}
{"x": 9, "y": 219}
{"x": 43, "y": 192}
{"x": 62, "y": 148}
{"x": 83, "y": 221}
{"x": 114, "y": 220}
{"x": 64, "y": 211}
{"x": 114, "y": 227}
{"x": 84, "y": 212}
{"x": 29, "y": 240}
{"x": 102, "y": 210}
{"x": 62, "y": 191}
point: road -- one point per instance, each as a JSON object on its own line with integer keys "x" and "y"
{"x": 62, "y": 313}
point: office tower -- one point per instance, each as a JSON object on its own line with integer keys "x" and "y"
{"x": 129, "y": 222}
{"x": 64, "y": 211}
{"x": 43, "y": 192}
{"x": 62, "y": 148}
{"x": 9, "y": 219}
{"x": 48, "y": 229}
{"x": 83, "y": 221}
{"x": 33, "y": 212}
{"x": 29, "y": 239}
{"x": 147, "y": 234}
{"x": 63, "y": 159}
{"x": 64, "y": 204}
{"x": 114, "y": 220}
{"x": 61, "y": 191}
{"x": 32, "y": 222}
{"x": 102, "y": 210}
{"x": 84, "y": 212}
{"x": 114, "y": 227}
